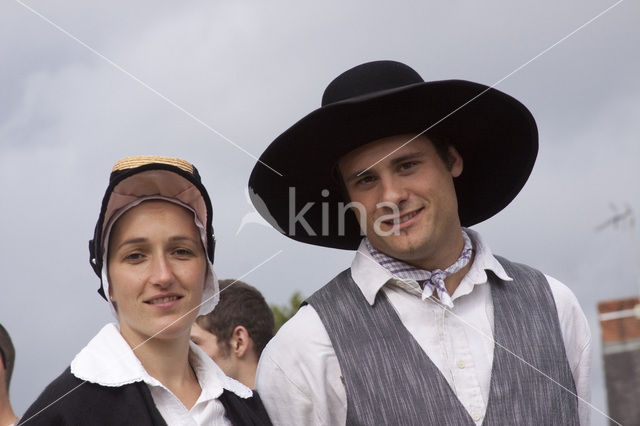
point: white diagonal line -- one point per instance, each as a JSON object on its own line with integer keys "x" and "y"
{"x": 521, "y": 359}
{"x": 145, "y": 341}
{"x": 53, "y": 403}
{"x": 206, "y": 300}
{"x": 490, "y": 338}
{"x": 142, "y": 83}
{"x": 496, "y": 83}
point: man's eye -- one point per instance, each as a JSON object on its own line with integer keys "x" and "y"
{"x": 408, "y": 165}
{"x": 365, "y": 180}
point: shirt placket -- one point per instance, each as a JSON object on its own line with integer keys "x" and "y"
{"x": 175, "y": 410}
{"x": 462, "y": 367}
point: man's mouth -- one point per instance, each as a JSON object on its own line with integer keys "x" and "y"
{"x": 402, "y": 219}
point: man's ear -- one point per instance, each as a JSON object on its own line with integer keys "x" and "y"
{"x": 240, "y": 341}
{"x": 455, "y": 162}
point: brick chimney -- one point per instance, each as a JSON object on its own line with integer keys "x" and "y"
{"x": 620, "y": 325}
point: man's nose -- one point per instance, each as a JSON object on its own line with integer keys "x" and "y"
{"x": 393, "y": 191}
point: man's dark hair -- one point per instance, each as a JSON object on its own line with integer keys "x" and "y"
{"x": 240, "y": 304}
{"x": 8, "y": 354}
{"x": 442, "y": 145}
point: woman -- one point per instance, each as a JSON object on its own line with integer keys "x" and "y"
{"x": 153, "y": 251}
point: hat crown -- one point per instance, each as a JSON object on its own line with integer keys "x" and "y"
{"x": 369, "y": 78}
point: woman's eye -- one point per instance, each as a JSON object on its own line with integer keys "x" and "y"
{"x": 183, "y": 252}
{"x": 133, "y": 257}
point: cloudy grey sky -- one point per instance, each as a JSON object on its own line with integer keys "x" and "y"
{"x": 250, "y": 69}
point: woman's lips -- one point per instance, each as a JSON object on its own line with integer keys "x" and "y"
{"x": 163, "y": 301}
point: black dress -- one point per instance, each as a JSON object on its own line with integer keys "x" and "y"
{"x": 70, "y": 401}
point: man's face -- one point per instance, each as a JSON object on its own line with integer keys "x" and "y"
{"x": 409, "y": 209}
{"x": 208, "y": 342}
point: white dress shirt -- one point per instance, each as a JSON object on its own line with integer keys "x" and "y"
{"x": 109, "y": 361}
{"x": 299, "y": 378}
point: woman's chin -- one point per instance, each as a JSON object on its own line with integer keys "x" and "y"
{"x": 174, "y": 330}
{"x": 165, "y": 331}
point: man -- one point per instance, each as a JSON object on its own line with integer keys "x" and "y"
{"x": 8, "y": 355}
{"x": 427, "y": 326}
{"x": 236, "y": 331}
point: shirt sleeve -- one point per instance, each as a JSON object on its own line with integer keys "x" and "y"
{"x": 577, "y": 342}
{"x": 298, "y": 375}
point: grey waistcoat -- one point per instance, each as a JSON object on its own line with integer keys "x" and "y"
{"x": 390, "y": 380}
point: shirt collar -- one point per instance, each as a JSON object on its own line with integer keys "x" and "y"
{"x": 370, "y": 276}
{"x": 108, "y": 360}
{"x": 483, "y": 261}
{"x": 208, "y": 373}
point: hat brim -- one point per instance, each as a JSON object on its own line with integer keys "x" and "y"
{"x": 495, "y": 134}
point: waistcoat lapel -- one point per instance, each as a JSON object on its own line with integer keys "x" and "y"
{"x": 531, "y": 381}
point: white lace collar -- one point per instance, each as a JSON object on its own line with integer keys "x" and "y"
{"x": 108, "y": 360}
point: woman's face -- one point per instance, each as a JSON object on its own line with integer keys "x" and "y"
{"x": 156, "y": 268}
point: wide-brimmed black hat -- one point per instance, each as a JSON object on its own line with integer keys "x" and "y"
{"x": 495, "y": 134}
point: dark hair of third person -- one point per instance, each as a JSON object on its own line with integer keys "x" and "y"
{"x": 240, "y": 304}
{"x": 8, "y": 354}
